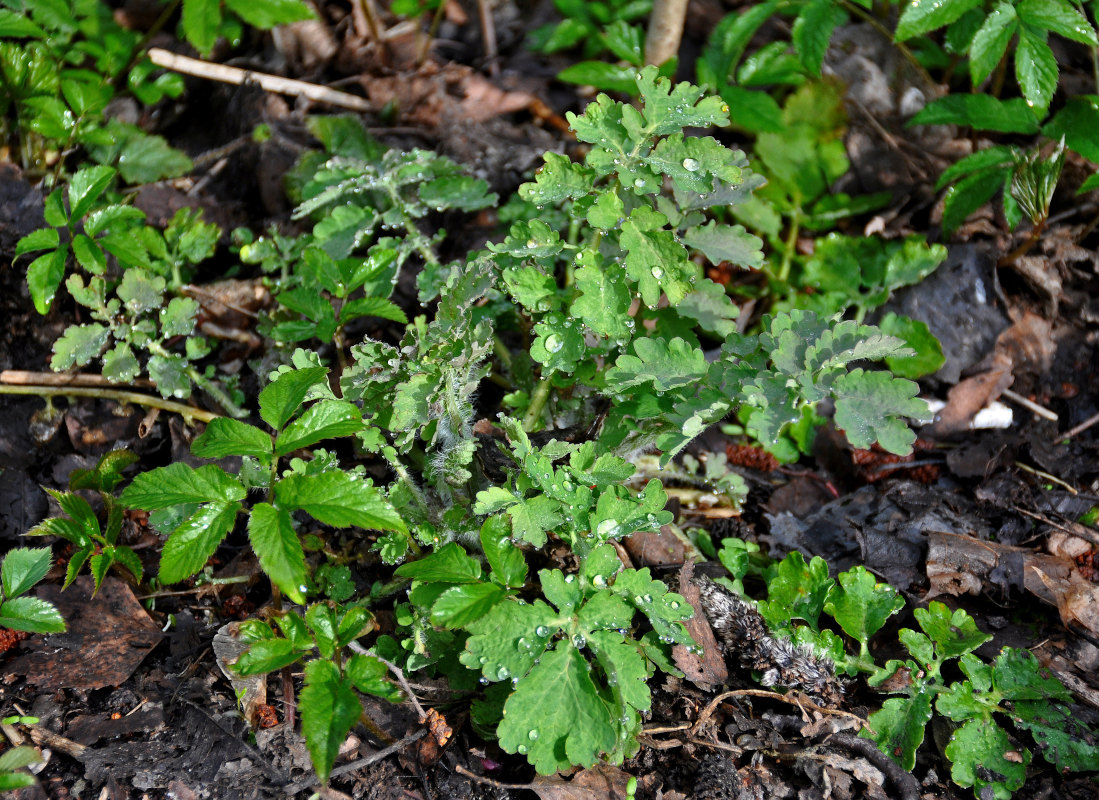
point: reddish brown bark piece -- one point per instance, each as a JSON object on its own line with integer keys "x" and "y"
{"x": 707, "y": 670}
{"x": 108, "y": 637}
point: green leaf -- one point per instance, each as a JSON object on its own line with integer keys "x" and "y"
{"x": 603, "y": 302}
{"x": 178, "y": 317}
{"x": 669, "y": 109}
{"x": 924, "y": 16}
{"x": 969, "y": 194}
{"x": 1059, "y": 17}
{"x": 179, "y": 483}
{"x": 509, "y": 639}
{"x": 726, "y": 243}
{"x": 18, "y": 26}
{"x": 755, "y": 111}
{"x": 201, "y": 20}
{"x": 601, "y": 75}
{"x": 667, "y": 365}
{"x": 328, "y": 419}
{"x": 370, "y": 676}
{"x": 928, "y": 356}
{"x": 813, "y": 30}
{"x": 796, "y": 590}
{"x": 146, "y": 158}
{"x": 954, "y": 633}
{"x": 22, "y": 568}
{"x": 534, "y": 239}
{"x": 230, "y": 437}
{"x": 506, "y": 561}
{"x": 1018, "y": 675}
{"x": 458, "y": 606}
{"x": 41, "y": 239}
{"x": 898, "y": 727}
{"x": 448, "y": 564}
{"x": 267, "y": 656}
{"x": 340, "y": 500}
{"x": 32, "y": 615}
{"x": 89, "y": 255}
{"x": 861, "y": 605}
{"x": 980, "y": 111}
{"x": 17, "y": 758}
{"x": 128, "y": 249}
{"x": 195, "y": 540}
{"x": 329, "y": 707}
{"x": 270, "y": 13}
{"x": 44, "y": 276}
{"x": 456, "y": 191}
{"x": 531, "y": 518}
{"x": 557, "y": 180}
{"x": 560, "y": 705}
{"x": 372, "y": 307}
{"x": 870, "y": 407}
{"x": 1035, "y": 68}
{"x": 654, "y": 258}
{"x": 276, "y": 543}
{"x": 978, "y": 754}
{"x": 78, "y": 345}
{"x": 282, "y": 397}
{"x": 664, "y": 610}
{"x": 711, "y": 308}
{"x": 991, "y": 40}
{"x": 85, "y": 187}
{"x": 169, "y": 373}
{"x": 559, "y": 344}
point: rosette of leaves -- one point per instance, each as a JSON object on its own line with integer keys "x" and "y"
{"x": 93, "y": 545}
{"x": 570, "y": 673}
{"x": 357, "y": 187}
{"x": 200, "y": 506}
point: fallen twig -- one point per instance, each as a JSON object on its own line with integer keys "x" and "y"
{"x": 269, "y": 83}
{"x": 189, "y": 413}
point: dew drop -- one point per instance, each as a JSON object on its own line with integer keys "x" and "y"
{"x": 578, "y": 641}
{"x": 639, "y": 183}
{"x": 554, "y": 343}
{"x": 570, "y": 579}
{"x": 690, "y": 164}
{"x": 658, "y": 273}
{"x": 533, "y": 735}
{"x": 606, "y": 527}
{"x": 502, "y": 673}
{"x": 542, "y": 631}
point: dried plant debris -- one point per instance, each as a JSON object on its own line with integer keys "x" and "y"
{"x": 743, "y": 635}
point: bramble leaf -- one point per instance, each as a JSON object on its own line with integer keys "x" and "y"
{"x": 281, "y": 398}
{"x": 338, "y": 499}
{"x": 32, "y": 615}
{"x": 276, "y": 544}
{"x": 231, "y": 437}
{"x": 195, "y": 540}
{"x": 22, "y": 568}
{"x": 329, "y": 707}
{"x": 327, "y": 419}
{"x": 179, "y": 483}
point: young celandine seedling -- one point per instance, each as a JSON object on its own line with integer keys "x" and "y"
{"x": 984, "y": 755}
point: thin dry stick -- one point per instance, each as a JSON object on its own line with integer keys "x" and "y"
{"x": 1046, "y": 476}
{"x": 22, "y": 377}
{"x": 362, "y": 762}
{"x": 489, "y": 781}
{"x": 1083, "y": 426}
{"x": 189, "y": 413}
{"x": 488, "y": 36}
{"x": 269, "y": 83}
{"x": 401, "y": 679}
{"x": 1030, "y": 405}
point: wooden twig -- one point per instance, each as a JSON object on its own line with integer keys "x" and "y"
{"x": 269, "y": 83}
{"x": 1030, "y": 405}
{"x": 1076, "y": 431}
{"x": 189, "y": 413}
{"x": 22, "y": 377}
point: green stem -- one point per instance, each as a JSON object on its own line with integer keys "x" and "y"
{"x": 790, "y": 246}
{"x": 537, "y": 403}
{"x": 434, "y": 29}
{"x": 189, "y": 413}
{"x": 157, "y": 26}
{"x": 216, "y": 392}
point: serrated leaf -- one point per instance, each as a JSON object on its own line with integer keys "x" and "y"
{"x": 128, "y": 249}
{"x": 85, "y": 187}
{"x": 146, "y": 158}
{"x": 448, "y": 564}
{"x": 813, "y": 31}
{"x": 898, "y": 727}
{"x": 991, "y": 40}
{"x": 978, "y": 758}
{"x": 169, "y": 373}
{"x": 1059, "y": 17}
{"x": 694, "y": 163}
{"x": 664, "y": 610}
{"x": 44, "y": 275}
{"x": 41, "y": 239}
{"x": 32, "y": 615}
{"x": 861, "y": 605}
{"x": 557, "y": 700}
{"x": 669, "y": 109}
{"x": 329, "y": 707}
{"x": 276, "y": 543}
{"x": 458, "y": 606}
{"x": 266, "y": 656}
{"x": 195, "y": 540}
{"x": 667, "y": 365}
{"x": 969, "y": 194}
{"x": 282, "y": 397}
{"x": 22, "y": 568}
{"x": 328, "y": 419}
{"x": 534, "y": 239}
{"x": 509, "y": 567}
{"x": 179, "y": 483}
{"x": 730, "y": 243}
{"x": 1035, "y": 68}
{"x": 372, "y": 307}
{"x": 654, "y": 258}
{"x": 625, "y": 668}
{"x": 120, "y": 365}
{"x": 340, "y": 500}
{"x": 557, "y": 180}
{"x": 78, "y": 345}
{"x": 870, "y": 407}
{"x": 980, "y": 111}
{"x": 201, "y": 19}
{"x": 602, "y": 75}
{"x": 924, "y": 16}
{"x": 603, "y": 302}
{"x": 370, "y": 676}
{"x": 711, "y": 308}
{"x": 230, "y": 437}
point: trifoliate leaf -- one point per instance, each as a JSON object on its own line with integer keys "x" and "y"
{"x": 79, "y": 345}
{"x": 730, "y": 243}
{"x": 870, "y": 407}
{"x": 276, "y": 543}
{"x": 195, "y": 540}
{"x": 667, "y": 365}
{"x": 555, "y": 716}
{"x": 338, "y": 499}
{"x": 231, "y": 437}
{"x": 329, "y": 707}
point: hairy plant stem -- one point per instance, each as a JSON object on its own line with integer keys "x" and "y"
{"x": 189, "y": 413}
{"x": 537, "y": 403}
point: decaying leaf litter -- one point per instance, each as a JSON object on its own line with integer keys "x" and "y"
{"x": 985, "y": 520}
